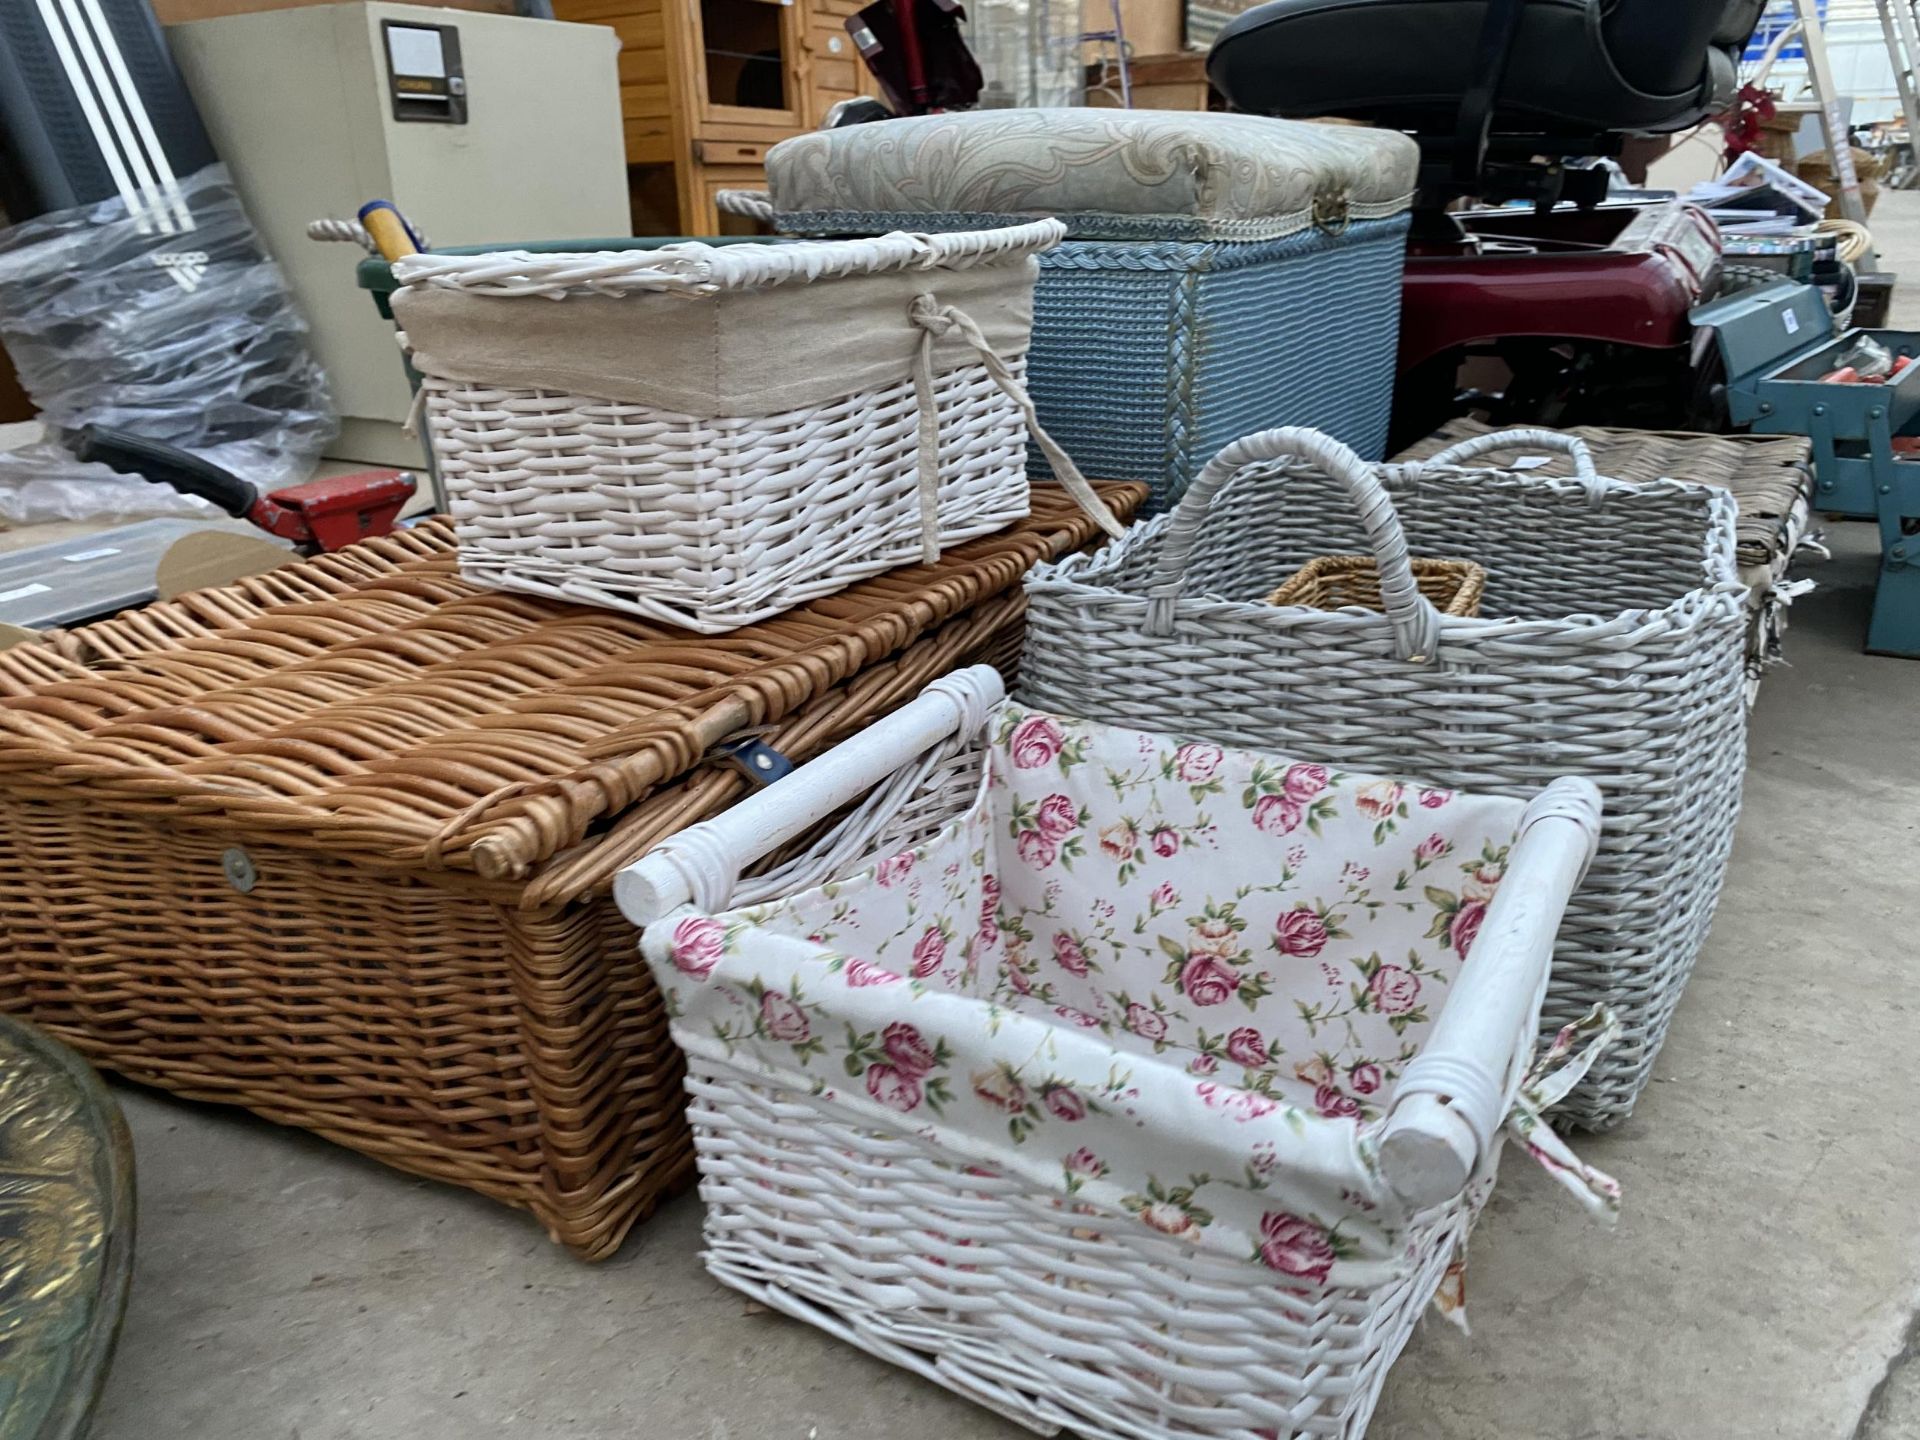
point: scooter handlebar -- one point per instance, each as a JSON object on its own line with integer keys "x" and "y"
{"x": 165, "y": 464}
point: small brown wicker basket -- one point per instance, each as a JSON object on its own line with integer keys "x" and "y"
{"x": 1329, "y": 582}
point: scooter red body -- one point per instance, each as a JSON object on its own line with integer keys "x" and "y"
{"x": 1577, "y": 304}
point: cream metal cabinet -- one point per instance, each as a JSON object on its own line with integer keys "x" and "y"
{"x": 482, "y": 128}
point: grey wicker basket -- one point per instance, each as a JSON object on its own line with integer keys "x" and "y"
{"x": 1610, "y": 645}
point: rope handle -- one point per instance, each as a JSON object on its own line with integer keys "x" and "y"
{"x": 935, "y": 321}
{"x": 351, "y": 232}
{"x": 1527, "y": 437}
{"x": 694, "y": 268}
{"x": 348, "y": 231}
{"x": 1415, "y": 622}
{"x": 748, "y": 204}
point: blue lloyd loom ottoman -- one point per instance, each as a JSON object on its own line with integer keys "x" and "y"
{"x": 1222, "y": 273}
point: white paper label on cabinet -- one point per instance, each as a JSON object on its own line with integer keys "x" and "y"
{"x": 1791, "y": 321}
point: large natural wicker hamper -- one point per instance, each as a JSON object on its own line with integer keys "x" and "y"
{"x": 335, "y": 843}
{"x": 710, "y": 435}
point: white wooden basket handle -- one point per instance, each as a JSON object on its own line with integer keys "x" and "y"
{"x": 1452, "y": 1099}
{"x": 1415, "y": 622}
{"x": 701, "y": 865}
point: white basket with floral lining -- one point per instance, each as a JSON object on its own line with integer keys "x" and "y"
{"x": 1120, "y": 1085}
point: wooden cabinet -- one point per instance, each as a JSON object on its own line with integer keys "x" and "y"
{"x": 708, "y": 86}
{"x": 1160, "y": 82}
{"x": 836, "y": 70}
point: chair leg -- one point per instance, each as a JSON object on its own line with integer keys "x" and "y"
{"x": 1895, "y": 627}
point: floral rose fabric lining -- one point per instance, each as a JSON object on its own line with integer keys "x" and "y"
{"x": 1279, "y": 928}
{"x": 1176, "y": 981}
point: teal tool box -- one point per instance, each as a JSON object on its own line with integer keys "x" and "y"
{"x": 1776, "y": 343}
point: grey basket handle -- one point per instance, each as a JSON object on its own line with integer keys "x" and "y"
{"x": 1416, "y": 624}
{"x": 1530, "y": 438}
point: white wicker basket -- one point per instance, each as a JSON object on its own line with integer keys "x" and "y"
{"x": 1100, "y": 1222}
{"x": 1610, "y": 642}
{"x": 710, "y": 435}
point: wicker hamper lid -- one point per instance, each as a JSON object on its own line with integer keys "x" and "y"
{"x": 1109, "y": 174}
{"x": 372, "y": 705}
{"x": 1770, "y": 475}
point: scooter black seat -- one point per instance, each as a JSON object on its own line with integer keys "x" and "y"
{"x": 1575, "y": 67}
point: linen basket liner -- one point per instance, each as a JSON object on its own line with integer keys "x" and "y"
{"x": 1109, "y": 174}
{"x": 720, "y": 324}
{"x": 372, "y": 704}
{"x": 730, "y": 352}
{"x": 1076, "y": 979}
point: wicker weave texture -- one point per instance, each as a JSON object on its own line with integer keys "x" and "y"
{"x": 525, "y": 1057}
{"x": 1610, "y": 645}
{"x": 335, "y": 843}
{"x": 714, "y": 524}
{"x": 1147, "y": 358}
{"x": 375, "y": 704}
{"x": 1329, "y": 582}
{"x": 1055, "y": 1318}
{"x": 1769, "y": 475}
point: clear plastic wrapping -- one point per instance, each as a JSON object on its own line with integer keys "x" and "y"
{"x": 171, "y": 323}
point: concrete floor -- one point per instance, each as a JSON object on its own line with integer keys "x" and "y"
{"x": 1763, "y": 1282}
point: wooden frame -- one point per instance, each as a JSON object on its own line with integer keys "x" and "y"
{"x": 671, "y": 119}
{"x": 710, "y": 113}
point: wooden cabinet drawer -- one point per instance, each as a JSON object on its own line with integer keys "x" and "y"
{"x": 730, "y": 152}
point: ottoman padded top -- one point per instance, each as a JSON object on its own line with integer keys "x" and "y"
{"x": 1109, "y": 174}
